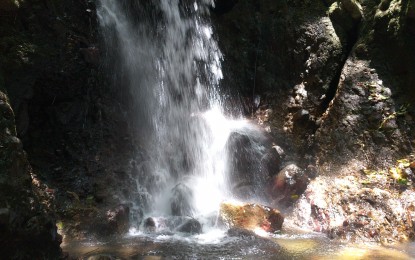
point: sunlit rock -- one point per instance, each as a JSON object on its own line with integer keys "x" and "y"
{"x": 358, "y": 208}
{"x": 251, "y": 216}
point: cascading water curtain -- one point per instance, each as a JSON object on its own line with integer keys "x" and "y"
{"x": 168, "y": 58}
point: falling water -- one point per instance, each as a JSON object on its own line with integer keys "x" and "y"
{"x": 171, "y": 62}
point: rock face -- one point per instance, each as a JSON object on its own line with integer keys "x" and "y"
{"x": 72, "y": 124}
{"x": 369, "y": 122}
{"x": 333, "y": 83}
{"x": 358, "y": 208}
{"x": 290, "y": 55}
{"x": 27, "y": 228}
{"x": 251, "y": 216}
{"x": 337, "y": 72}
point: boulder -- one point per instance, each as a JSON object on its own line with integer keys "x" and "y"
{"x": 252, "y": 161}
{"x": 118, "y": 219}
{"x": 191, "y": 226}
{"x": 287, "y": 185}
{"x": 180, "y": 202}
{"x": 251, "y": 216}
{"x": 150, "y": 225}
{"x": 166, "y": 225}
{"x": 107, "y": 222}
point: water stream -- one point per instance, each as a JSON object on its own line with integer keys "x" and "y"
{"x": 165, "y": 54}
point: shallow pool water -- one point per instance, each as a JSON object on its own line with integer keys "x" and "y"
{"x": 216, "y": 244}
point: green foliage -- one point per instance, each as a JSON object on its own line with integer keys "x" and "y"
{"x": 396, "y": 172}
{"x": 401, "y": 111}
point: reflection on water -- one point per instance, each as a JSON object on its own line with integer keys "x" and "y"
{"x": 217, "y": 245}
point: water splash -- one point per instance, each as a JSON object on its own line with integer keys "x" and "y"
{"x": 171, "y": 64}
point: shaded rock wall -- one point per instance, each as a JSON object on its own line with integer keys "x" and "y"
{"x": 72, "y": 122}
{"x": 27, "y": 225}
{"x": 288, "y": 53}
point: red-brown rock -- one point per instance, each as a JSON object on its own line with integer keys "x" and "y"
{"x": 251, "y": 216}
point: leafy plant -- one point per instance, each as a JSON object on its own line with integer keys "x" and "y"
{"x": 401, "y": 111}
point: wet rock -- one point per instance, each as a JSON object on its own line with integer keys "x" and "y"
{"x": 191, "y": 226}
{"x": 288, "y": 185}
{"x": 118, "y": 219}
{"x": 149, "y": 225}
{"x": 180, "y": 202}
{"x": 251, "y": 216}
{"x": 168, "y": 225}
{"x": 245, "y": 151}
{"x": 104, "y": 222}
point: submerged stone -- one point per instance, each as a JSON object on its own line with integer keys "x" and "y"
{"x": 191, "y": 226}
{"x": 251, "y": 216}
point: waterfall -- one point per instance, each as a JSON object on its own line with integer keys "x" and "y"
{"x": 168, "y": 57}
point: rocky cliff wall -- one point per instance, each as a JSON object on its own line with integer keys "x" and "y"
{"x": 72, "y": 122}
{"x": 335, "y": 78}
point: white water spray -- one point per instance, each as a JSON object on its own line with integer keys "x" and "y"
{"x": 172, "y": 65}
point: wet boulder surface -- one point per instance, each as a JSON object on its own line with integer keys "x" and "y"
{"x": 251, "y": 217}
